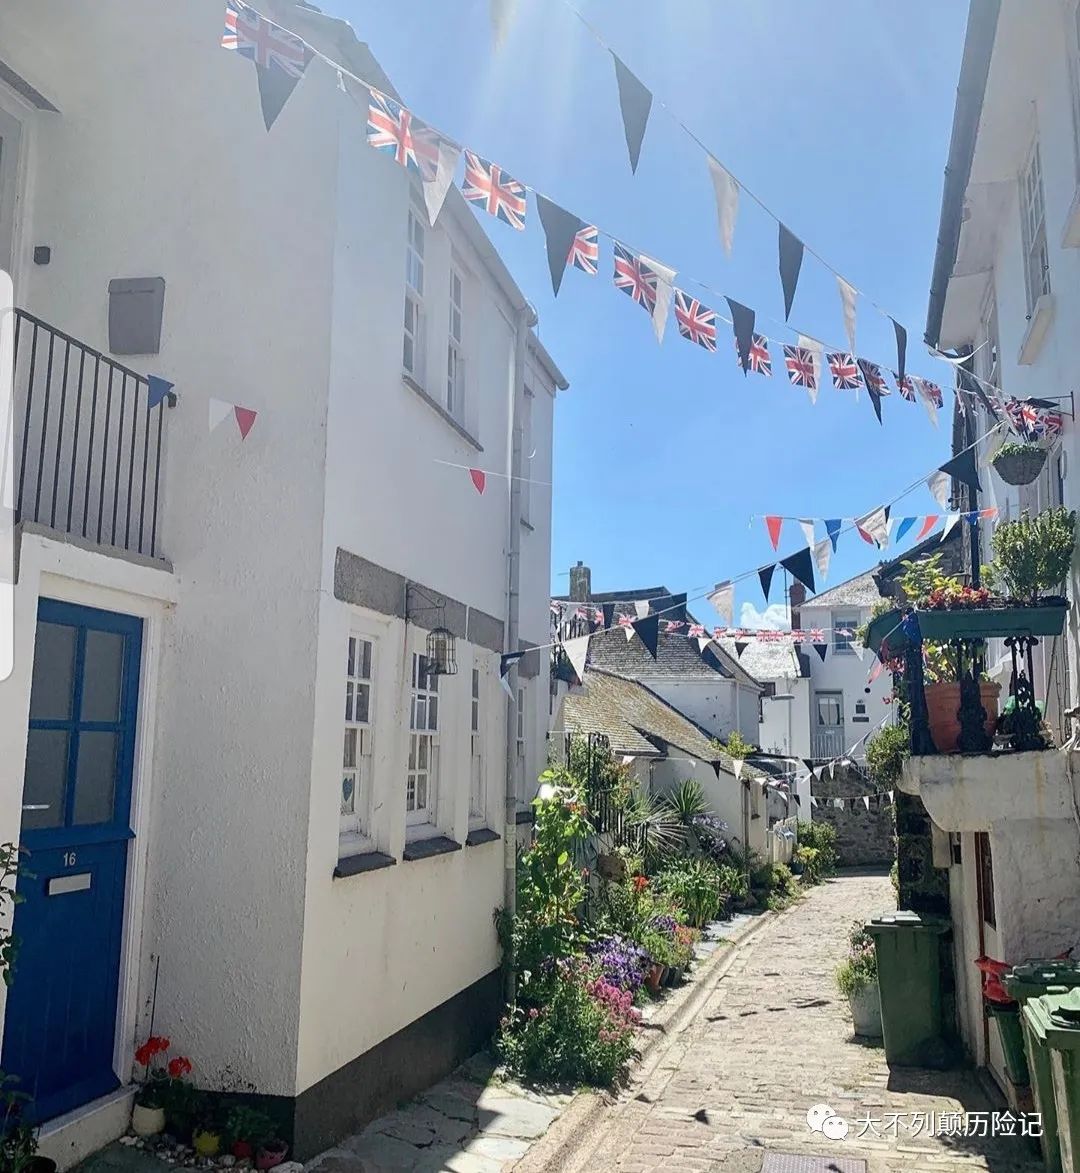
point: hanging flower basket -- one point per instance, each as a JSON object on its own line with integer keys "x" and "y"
{"x": 1019, "y": 464}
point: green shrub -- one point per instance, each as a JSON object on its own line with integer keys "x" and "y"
{"x": 783, "y": 888}
{"x": 859, "y": 969}
{"x": 886, "y": 753}
{"x": 733, "y": 882}
{"x": 694, "y": 887}
{"x": 817, "y": 851}
{"x": 1032, "y": 555}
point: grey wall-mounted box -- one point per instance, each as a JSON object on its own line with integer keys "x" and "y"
{"x": 136, "y": 307}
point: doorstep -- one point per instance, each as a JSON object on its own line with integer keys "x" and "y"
{"x": 73, "y": 1137}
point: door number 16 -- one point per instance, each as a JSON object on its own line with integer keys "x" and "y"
{"x": 69, "y": 859}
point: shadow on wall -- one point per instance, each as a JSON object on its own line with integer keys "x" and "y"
{"x": 863, "y": 837}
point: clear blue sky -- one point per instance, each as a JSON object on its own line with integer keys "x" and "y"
{"x": 837, "y": 114}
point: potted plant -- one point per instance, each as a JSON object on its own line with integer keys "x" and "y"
{"x": 163, "y": 1087}
{"x": 1032, "y": 556}
{"x": 247, "y": 1130}
{"x": 1018, "y": 464}
{"x": 857, "y": 980}
{"x": 271, "y": 1153}
{"x": 18, "y": 1140}
{"x": 206, "y": 1133}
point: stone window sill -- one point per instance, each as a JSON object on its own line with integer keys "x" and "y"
{"x": 426, "y": 848}
{"x": 482, "y": 835}
{"x": 441, "y": 411}
{"x": 1038, "y": 326}
{"x": 368, "y": 861}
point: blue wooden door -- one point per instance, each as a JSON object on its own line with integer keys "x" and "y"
{"x": 60, "y": 1021}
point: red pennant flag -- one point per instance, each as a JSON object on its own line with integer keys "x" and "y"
{"x": 928, "y": 524}
{"x": 988, "y": 514}
{"x": 865, "y": 536}
{"x": 479, "y": 479}
{"x": 245, "y": 420}
{"x": 774, "y": 525}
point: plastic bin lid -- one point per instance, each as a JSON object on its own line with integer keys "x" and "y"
{"x": 905, "y": 919}
{"x": 1055, "y": 1016}
{"x": 1033, "y": 978}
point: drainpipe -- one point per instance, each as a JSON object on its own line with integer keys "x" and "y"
{"x": 525, "y": 319}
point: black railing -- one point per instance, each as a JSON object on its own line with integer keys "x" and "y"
{"x": 590, "y": 756}
{"x": 88, "y": 449}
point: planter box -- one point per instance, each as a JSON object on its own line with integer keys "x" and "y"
{"x": 1048, "y": 618}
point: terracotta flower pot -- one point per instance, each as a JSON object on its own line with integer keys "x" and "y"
{"x": 242, "y": 1150}
{"x": 943, "y": 709}
{"x": 270, "y": 1155}
{"x": 147, "y": 1121}
{"x": 653, "y": 979}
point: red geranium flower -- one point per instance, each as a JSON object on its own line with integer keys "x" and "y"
{"x": 640, "y": 883}
{"x": 179, "y": 1067}
{"x": 143, "y": 1055}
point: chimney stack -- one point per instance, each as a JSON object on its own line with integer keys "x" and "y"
{"x": 580, "y": 583}
{"x": 796, "y": 598}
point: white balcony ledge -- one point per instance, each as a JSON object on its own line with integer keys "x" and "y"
{"x": 978, "y": 792}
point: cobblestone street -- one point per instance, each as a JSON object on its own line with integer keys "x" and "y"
{"x": 773, "y": 1039}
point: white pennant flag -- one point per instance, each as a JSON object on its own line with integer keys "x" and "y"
{"x": 727, "y": 201}
{"x": 832, "y": 769}
{"x": 939, "y": 483}
{"x": 723, "y": 599}
{"x": 807, "y": 528}
{"x": 890, "y": 796}
{"x": 927, "y": 398}
{"x": 817, "y": 351}
{"x": 577, "y": 652}
{"x": 950, "y": 520}
{"x": 703, "y": 642}
{"x": 641, "y": 608}
{"x": 822, "y": 557}
{"x": 737, "y": 765}
{"x": 848, "y": 294}
{"x": 436, "y": 187}
{"x": 813, "y": 800}
{"x": 866, "y": 801}
{"x": 665, "y": 291}
{"x": 876, "y": 524}
{"x": 838, "y": 803}
{"x": 627, "y": 759}
{"x": 505, "y": 682}
{"x": 219, "y": 412}
{"x": 629, "y": 632}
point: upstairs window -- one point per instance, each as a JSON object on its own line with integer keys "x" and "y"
{"x": 356, "y": 757}
{"x": 422, "y": 776}
{"x": 1033, "y": 226}
{"x": 455, "y": 352}
{"x": 412, "y": 356}
{"x": 476, "y": 784}
{"x": 844, "y": 625}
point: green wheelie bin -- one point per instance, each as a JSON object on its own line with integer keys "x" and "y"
{"x": 1060, "y": 1014}
{"x": 1022, "y": 983}
{"x": 1036, "y": 1020}
{"x": 910, "y": 959}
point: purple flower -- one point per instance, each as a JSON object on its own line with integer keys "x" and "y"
{"x": 664, "y": 924}
{"x": 622, "y": 963}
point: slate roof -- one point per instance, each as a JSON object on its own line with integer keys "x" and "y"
{"x": 636, "y": 721}
{"x": 766, "y": 660}
{"x": 860, "y": 591}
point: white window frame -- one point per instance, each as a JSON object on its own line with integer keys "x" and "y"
{"x": 990, "y": 352}
{"x": 1033, "y": 229}
{"x": 527, "y": 403}
{"x": 521, "y": 725}
{"x": 422, "y": 761}
{"x": 477, "y": 786}
{"x": 354, "y": 830}
{"x": 841, "y": 644}
{"x": 455, "y": 390}
{"x": 414, "y": 341}
{"x": 1072, "y": 41}
{"x": 829, "y": 695}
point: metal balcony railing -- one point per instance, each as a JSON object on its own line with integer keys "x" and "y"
{"x": 88, "y": 449}
{"x": 828, "y": 743}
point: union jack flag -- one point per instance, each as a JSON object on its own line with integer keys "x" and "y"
{"x": 393, "y": 130}
{"x": 585, "y": 251}
{"x": 844, "y": 370}
{"x": 760, "y": 359}
{"x": 626, "y": 621}
{"x": 905, "y": 386}
{"x": 930, "y": 391}
{"x": 501, "y": 195}
{"x": 261, "y": 41}
{"x": 872, "y": 376}
{"x": 801, "y": 368}
{"x": 637, "y": 279}
{"x": 697, "y": 631}
{"x": 1039, "y": 424}
{"x": 672, "y": 625}
{"x": 696, "y": 321}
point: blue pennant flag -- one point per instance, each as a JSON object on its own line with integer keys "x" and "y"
{"x": 905, "y": 524}
{"x": 832, "y": 528}
{"x": 158, "y": 390}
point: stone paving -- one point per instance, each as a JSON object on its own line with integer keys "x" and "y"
{"x": 773, "y": 1039}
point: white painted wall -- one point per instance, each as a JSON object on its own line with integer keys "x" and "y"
{"x": 785, "y": 728}
{"x": 717, "y": 705}
{"x": 725, "y": 796}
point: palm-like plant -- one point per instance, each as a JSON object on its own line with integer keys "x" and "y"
{"x": 687, "y": 801}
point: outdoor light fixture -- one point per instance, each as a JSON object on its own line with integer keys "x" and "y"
{"x": 440, "y": 657}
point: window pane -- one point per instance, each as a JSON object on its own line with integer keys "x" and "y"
{"x": 348, "y": 794}
{"x": 46, "y": 778}
{"x": 95, "y": 778}
{"x": 365, "y": 663}
{"x": 349, "y": 759}
{"x": 421, "y": 792}
{"x": 433, "y": 713}
{"x": 351, "y": 669}
{"x": 54, "y": 673}
{"x": 102, "y": 676}
{"x": 348, "y": 700}
{"x": 363, "y": 702}
{"x": 410, "y": 793}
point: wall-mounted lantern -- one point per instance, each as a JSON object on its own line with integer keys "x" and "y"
{"x": 441, "y": 652}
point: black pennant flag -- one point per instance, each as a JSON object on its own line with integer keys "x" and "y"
{"x": 869, "y": 378}
{"x": 798, "y": 800}
{"x": 717, "y": 767}
{"x": 740, "y": 647}
{"x": 276, "y": 86}
{"x": 742, "y": 321}
{"x": 801, "y": 567}
{"x": 765, "y": 578}
{"x": 822, "y": 650}
{"x": 609, "y": 614}
{"x": 901, "y": 351}
{"x": 508, "y": 660}
{"x": 648, "y": 630}
{"x": 963, "y": 468}
{"x": 560, "y": 228}
{"x": 791, "y": 256}
{"x": 635, "y": 102}
{"x": 809, "y": 764}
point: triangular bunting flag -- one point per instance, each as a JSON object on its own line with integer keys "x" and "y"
{"x": 833, "y": 526}
{"x": 848, "y": 294}
{"x": 279, "y": 57}
{"x": 765, "y": 578}
{"x": 928, "y": 524}
{"x": 577, "y": 652}
{"x": 964, "y": 468}
{"x": 628, "y": 628}
{"x": 774, "y": 525}
{"x": 245, "y": 420}
{"x": 875, "y": 524}
{"x": 648, "y": 630}
{"x": 504, "y": 683}
{"x": 727, "y": 202}
{"x": 560, "y": 231}
{"x": 822, "y": 557}
{"x": 740, "y": 647}
{"x": 798, "y": 800}
{"x": 901, "y": 352}
{"x": 157, "y": 390}
{"x": 608, "y": 610}
{"x": 219, "y": 412}
{"x": 506, "y": 662}
{"x": 723, "y": 599}
{"x": 938, "y": 484}
{"x": 703, "y": 642}
{"x": 822, "y": 650}
{"x": 813, "y": 800}
{"x": 641, "y": 608}
{"x": 801, "y": 568}
{"x": 807, "y": 527}
{"x": 950, "y": 520}
{"x": 930, "y": 394}
{"x": 479, "y": 479}
{"x": 791, "y": 258}
{"x": 635, "y": 102}
{"x": 903, "y": 526}
{"x": 866, "y": 801}
{"x": 737, "y": 765}
{"x": 437, "y": 181}
{"x": 817, "y": 353}
{"x": 742, "y": 321}
{"x": 890, "y": 796}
